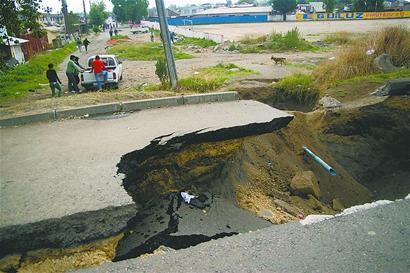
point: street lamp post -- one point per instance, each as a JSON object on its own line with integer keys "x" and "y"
{"x": 65, "y": 11}
{"x": 85, "y": 18}
{"x": 169, "y": 55}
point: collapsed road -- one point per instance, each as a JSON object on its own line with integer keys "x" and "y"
{"x": 369, "y": 241}
{"x": 65, "y": 189}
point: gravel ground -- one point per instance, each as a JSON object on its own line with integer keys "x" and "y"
{"x": 311, "y": 30}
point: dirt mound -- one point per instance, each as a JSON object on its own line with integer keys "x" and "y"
{"x": 371, "y": 142}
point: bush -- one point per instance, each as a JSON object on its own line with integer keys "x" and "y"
{"x": 276, "y": 42}
{"x": 119, "y": 37}
{"x": 292, "y": 40}
{"x": 96, "y": 29}
{"x": 354, "y": 61}
{"x": 233, "y": 47}
{"x": 394, "y": 41}
{"x": 350, "y": 62}
{"x": 299, "y": 88}
{"x": 161, "y": 71}
{"x": 250, "y": 40}
{"x": 201, "y": 42}
{"x": 340, "y": 38}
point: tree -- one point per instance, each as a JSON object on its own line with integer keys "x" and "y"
{"x": 368, "y": 5}
{"x": 133, "y": 10}
{"x": 97, "y": 14}
{"x": 73, "y": 21}
{"x": 250, "y": 2}
{"x": 18, "y": 16}
{"x": 283, "y": 6}
{"x": 330, "y": 5}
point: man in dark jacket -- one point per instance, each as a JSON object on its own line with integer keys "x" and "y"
{"x": 86, "y": 43}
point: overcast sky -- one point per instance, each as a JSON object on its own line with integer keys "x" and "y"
{"x": 77, "y": 5}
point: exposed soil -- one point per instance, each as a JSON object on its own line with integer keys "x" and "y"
{"x": 366, "y": 142}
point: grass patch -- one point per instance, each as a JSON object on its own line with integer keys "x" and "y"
{"x": 379, "y": 77}
{"x": 353, "y": 61}
{"x": 276, "y": 42}
{"x": 252, "y": 40}
{"x": 18, "y": 81}
{"x": 339, "y": 38}
{"x": 308, "y": 66}
{"x": 186, "y": 41}
{"x": 208, "y": 79}
{"x": 144, "y": 51}
{"x": 298, "y": 88}
{"x": 120, "y": 37}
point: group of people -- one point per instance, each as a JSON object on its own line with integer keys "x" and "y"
{"x": 113, "y": 32}
{"x": 84, "y": 43}
{"x": 73, "y": 70}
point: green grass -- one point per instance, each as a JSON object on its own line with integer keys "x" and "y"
{"x": 144, "y": 51}
{"x": 339, "y": 38}
{"x": 308, "y": 66}
{"x": 299, "y": 88}
{"x": 17, "y": 82}
{"x": 379, "y": 77}
{"x": 185, "y": 41}
{"x": 276, "y": 42}
{"x": 119, "y": 37}
{"x": 208, "y": 79}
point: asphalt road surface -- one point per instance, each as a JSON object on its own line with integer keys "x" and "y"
{"x": 54, "y": 169}
{"x": 376, "y": 240}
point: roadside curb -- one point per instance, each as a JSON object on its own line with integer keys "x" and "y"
{"x": 127, "y": 106}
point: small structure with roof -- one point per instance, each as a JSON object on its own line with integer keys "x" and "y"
{"x": 12, "y": 48}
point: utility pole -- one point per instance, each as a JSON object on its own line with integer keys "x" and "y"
{"x": 85, "y": 18}
{"x": 65, "y": 11}
{"x": 166, "y": 41}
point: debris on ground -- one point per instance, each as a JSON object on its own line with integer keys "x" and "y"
{"x": 329, "y": 102}
{"x": 304, "y": 183}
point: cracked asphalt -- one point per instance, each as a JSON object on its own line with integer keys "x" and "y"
{"x": 376, "y": 240}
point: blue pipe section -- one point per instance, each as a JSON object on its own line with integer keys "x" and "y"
{"x": 320, "y": 161}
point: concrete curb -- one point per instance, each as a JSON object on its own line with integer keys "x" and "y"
{"x": 121, "y": 107}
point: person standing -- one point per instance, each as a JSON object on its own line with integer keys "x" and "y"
{"x": 76, "y": 76}
{"x": 86, "y": 43}
{"x": 54, "y": 81}
{"x": 99, "y": 68}
{"x": 152, "y": 35}
{"x": 79, "y": 44}
{"x": 71, "y": 70}
{"x": 110, "y": 33}
{"x": 115, "y": 32}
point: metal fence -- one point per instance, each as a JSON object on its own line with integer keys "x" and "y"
{"x": 34, "y": 46}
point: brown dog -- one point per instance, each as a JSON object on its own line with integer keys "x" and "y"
{"x": 278, "y": 60}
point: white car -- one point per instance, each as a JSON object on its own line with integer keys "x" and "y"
{"x": 140, "y": 29}
{"x": 114, "y": 67}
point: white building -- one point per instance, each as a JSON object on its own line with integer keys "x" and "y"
{"x": 317, "y": 7}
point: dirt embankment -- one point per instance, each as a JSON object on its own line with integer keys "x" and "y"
{"x": 364, "y": 146}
